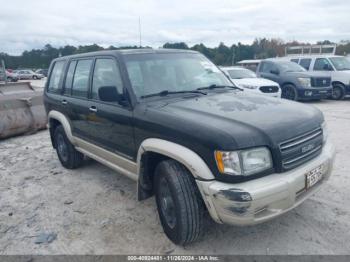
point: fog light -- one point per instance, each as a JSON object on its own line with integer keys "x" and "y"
{"x": 308, "y": 93}
{"x": 239, "y": 208}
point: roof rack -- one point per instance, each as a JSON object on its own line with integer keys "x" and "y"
{"x": 310, "y": 50}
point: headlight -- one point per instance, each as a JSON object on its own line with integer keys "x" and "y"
{"x": 304, "y": 81}
{"x": 245, "y": 162}
{"x": 324, "y": 131}
{"x": 248, "y": 86}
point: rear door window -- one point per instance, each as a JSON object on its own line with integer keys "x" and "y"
{"x": 55, "y": 77}
{"x": 305, "y": 62}
{"x": 106, "y": 74}
{"x": 295, "y": 60}
{"x": 80, "y": 85}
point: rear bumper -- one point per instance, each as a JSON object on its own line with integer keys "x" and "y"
{"x": 262, "y": 199}
{"x": 314, "y": 93}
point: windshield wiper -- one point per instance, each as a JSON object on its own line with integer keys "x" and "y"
{"x": 167, "y": 92}
{"x": 214, "y": 86}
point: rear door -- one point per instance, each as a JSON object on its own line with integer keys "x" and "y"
{"x": 75, "y": 95}
{"x": 109, "y": 121}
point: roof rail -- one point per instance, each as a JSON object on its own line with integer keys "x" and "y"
{"x": 310, "y": 50}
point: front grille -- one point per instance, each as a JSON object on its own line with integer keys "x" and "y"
{"x": 269, "y": 89}
{"x": 298, "y": 150}
{"x": 320, "y": 81}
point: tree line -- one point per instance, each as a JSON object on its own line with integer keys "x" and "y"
{"x": 220, "y": 55}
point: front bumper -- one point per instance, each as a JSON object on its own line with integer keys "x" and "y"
{"x": 259, "y": 92}
{"x": 262, "y": 199}
{"x": 314, "y": 93}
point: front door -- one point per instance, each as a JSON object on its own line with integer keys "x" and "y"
{"x": 109, "y": 120}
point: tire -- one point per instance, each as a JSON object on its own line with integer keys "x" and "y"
{"x": 289, "y": 92}
{"x": 180, "y": 206}
{"x": 68, "y": 156}
{"x": 35, "y": 77}
{"x": 338, "y": 92}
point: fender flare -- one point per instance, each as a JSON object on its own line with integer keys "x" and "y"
{"x": 191, "y": 160}
{"x": 53, "y": 114}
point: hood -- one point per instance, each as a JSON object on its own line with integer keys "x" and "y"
{"x": 254, "y": 82}
{"x": 250, "y": 120}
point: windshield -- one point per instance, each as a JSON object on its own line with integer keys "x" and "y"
{"x": 340, "y": 63}
{"x": 291, "y": 67}
{"x": 241, "y": 73}
{"x": 177, "y": 72}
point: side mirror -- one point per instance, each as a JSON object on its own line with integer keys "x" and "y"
{"x": 110, "y": 94}
{"x": 275, "y": 71}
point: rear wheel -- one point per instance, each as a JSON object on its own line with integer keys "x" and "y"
{"x": 180, "y": 207}
{"x": 338, "y": 92}
{"x": 289, "y": 92}
{"x": 68, "y": 156}
{"x": 35, "y": 77}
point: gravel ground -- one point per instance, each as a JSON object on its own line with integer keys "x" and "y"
{"x": 45, "y": 209}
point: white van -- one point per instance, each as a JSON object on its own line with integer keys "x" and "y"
{"x": 337, "y": 66}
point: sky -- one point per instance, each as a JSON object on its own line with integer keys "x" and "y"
{"x": 25, "y": 25}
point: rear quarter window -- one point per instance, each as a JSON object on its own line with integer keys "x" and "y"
{"x": 55, "y": 77}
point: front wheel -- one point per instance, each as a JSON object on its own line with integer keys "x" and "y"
{"x": 338, "y": 92}
{"x": 35, "y": 77}
{"x": 289, "y": 92}
{"x": 180, "y": 207}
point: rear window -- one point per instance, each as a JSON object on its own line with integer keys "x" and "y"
{"x": 81, "y": 78}
{"x": 55, "y": 77}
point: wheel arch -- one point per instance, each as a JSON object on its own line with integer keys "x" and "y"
{"x": 55, "y": 117}
{"x": 154, "y": 150}
{"x": 338, "y": 83}
{"x": 288, "y": 83}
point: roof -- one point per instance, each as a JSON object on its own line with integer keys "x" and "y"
{"x": 249, "y": 61}
{"x": 233, "y": 68}
{"x": 129, "y": 52}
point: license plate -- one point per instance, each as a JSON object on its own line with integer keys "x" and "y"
{"x": 314, "y": 176}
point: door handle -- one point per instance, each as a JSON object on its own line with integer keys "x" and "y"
{"x": 93, "y": 109}
{"x": 64, "y": 102}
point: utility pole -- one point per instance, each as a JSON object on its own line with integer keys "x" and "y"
{"x": 140, "y": 31}
{"x": 233, "y": 55}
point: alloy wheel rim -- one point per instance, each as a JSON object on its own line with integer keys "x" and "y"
{"x": 167, "y": 203}
{"x": 290, "y": 94}
{"x": 62, "y": 148}
{"x": 336, "y": 93}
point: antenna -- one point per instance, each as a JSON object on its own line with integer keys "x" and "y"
{"x": 140, "y": 31}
